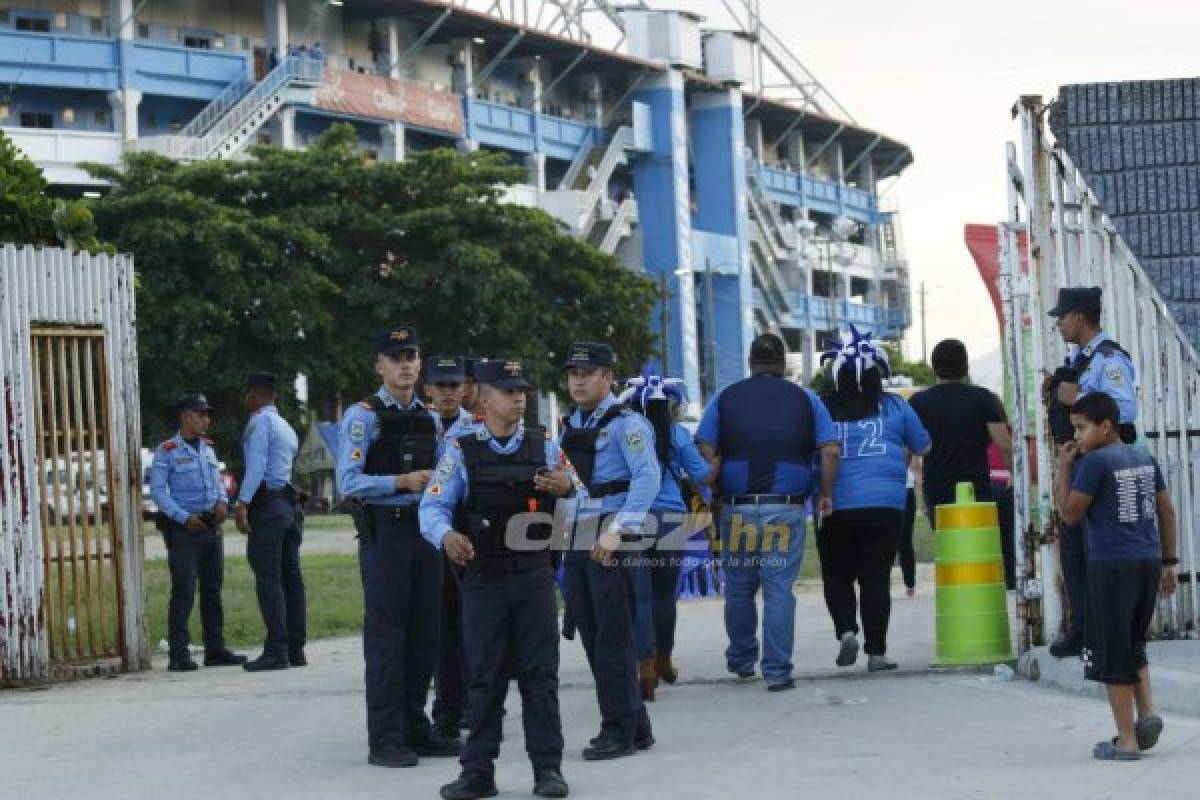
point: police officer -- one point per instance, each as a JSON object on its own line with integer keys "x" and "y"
{"x": 612, "y": 449}
{"x": 445, "y": 382}
{"x": 485, "y": 480}
{"x": 269, "y": 513}
{"x": 185, "y": 482}
{"x": 470, "y": 387}
{"x": 1099, "y": 365}
{"x": 387, "y": 451}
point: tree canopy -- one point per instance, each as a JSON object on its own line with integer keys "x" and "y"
{"x": 30, "y": 216}
{"x": 292, "y": 260}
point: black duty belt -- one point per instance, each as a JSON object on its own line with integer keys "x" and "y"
{"x": 509, "y": 564}
{"x": 406, "y": 513}
{"x": 766, "y": 500}
{"x": 607, "y": 488}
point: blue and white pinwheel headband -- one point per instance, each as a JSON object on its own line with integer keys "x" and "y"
{"x": 860, "y": 351}
{"x": 641, "y": 390}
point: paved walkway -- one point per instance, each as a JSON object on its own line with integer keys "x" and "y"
{"x": 300, "y": 734}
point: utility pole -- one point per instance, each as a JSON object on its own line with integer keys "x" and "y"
{"x": 924, "y": 350}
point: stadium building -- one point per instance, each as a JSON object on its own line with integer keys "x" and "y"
{"x": 699, "y": 151}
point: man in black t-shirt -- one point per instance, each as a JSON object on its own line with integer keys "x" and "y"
{"x": 962, "y": 420}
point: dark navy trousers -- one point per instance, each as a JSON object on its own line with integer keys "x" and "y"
{"x": 273, "y": 550}
{"x": 1074, "y": 569}
{"x": 450, "y": 699}
{"x": 195, "y": 557}
{"x": 401, "y": 580}
{"x": 510, "y": 629}
{"x": 601, "y": 600}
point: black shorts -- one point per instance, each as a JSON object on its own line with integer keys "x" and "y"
{"x": 1121, "y": 596}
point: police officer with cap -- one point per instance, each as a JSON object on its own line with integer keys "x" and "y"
{"x": 185, "y": 482}
{"x": 470, "y": 387}
{"x": 388, "y": 447}
{"x": 612, "y": 449}
{"x": 1099, "y": 365}
{"x": 486, "y": 480}
{"x": 445, "y": 382}
{"x": 270, "y": 514}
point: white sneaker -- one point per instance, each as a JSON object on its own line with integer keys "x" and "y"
{"x": 880, "y": 663}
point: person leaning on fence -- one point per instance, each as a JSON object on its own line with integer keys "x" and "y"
{"x": 1118, "y": 495}
{"x": 879, "y": 433}
{"x": 766, "y": 431}
{"x": 185, "y": 482}
{"x": 1098, "y": 365}
{"x": 655, "y": 571}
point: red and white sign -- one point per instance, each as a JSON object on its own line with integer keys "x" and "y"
{"x": 391, "y": 99}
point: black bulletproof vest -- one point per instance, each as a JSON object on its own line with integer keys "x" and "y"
{"x": 1059, "y": 416}
{"x": 764, "y": 420}
{"x": 407, "y": 441}
{"x": 580, "y": 443}
{"x": 501, "y": 486}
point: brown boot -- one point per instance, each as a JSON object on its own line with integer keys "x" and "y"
{"x": 647, "y": 678}
{"x": 665, "y": 669}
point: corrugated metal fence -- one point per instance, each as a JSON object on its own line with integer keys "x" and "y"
{"x": 70, "y": 490}
{"x": 1071, "y": 242}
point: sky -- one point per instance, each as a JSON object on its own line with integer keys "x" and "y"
{"x": 941, "y": 77}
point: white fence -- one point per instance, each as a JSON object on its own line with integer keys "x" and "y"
{"x": 70, "y": 482}
{"x": 1057, "y": 235}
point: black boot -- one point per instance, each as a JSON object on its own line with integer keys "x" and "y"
{"x": 266, "y": 662}
{"x": 549, "y": 783}
{"x": 296, "y": 657}
{"x": 605, "y": 749}
{"x": 471, "y": 784}
{"x": 435, "y": 745}
{"x": 223, "y": 658}
{"x": 182, "y": 663}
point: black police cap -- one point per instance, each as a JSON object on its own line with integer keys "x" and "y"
{"x": 502, "y": 373}
{"x": 1077, "y": 298}
{"x": 445, "y": 369}
{"x": 192, "y": 401}
{"x": 262, "y": 380}
{"x": 590, "y": 354}
{"x": 396, "y": 339}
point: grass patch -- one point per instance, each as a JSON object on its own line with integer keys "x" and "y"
{"x": 331, "y": 581}
{"x": 334, "y": 589}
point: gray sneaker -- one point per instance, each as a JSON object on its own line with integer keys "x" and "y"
{"x": 880, "y": 663}
{"x": 848, "y": 650}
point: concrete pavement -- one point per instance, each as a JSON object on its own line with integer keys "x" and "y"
{"x": 300, "y": 734}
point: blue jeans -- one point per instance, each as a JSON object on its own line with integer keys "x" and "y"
{"x": 761, "y": 545}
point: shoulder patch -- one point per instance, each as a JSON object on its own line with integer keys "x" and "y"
{"x": 635, "y": 440}
{"x": 357, "y": 454}
{"x": 358, "y": 431}
{"x": 1114, "y": 375}
{"x": 169, "y": 445}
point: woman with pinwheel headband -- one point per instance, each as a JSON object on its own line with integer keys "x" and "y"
{"x": 879, "y": 433}
{"x": 656, "y": 572}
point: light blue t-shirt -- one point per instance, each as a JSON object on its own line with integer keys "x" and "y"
{"x": 873, "y": 469}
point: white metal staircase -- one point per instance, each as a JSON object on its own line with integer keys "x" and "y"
{"x": 228, "y": 124}
{"x": 597, "y": 181}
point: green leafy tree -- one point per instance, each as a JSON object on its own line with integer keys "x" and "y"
{"x": 293, "y": 260}
{"x": 30, "y": 216}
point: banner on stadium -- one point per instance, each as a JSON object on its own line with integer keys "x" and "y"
{"x": 392, "y": 99}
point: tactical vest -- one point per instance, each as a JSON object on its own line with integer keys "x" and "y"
{"x": 580, "y": 446}
{"x": 407, "y": 441}
{"x": 1061, "y": 429}
{"x": 501, "y": 487}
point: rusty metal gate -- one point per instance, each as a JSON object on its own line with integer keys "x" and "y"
{"x": 79, "y": 532}
{"x": 71, "y": 582}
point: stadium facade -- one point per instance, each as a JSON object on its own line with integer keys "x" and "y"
{"x": 709, "y": 158}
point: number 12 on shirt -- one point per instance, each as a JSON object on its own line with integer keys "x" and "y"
{"x": 862, "y": 438}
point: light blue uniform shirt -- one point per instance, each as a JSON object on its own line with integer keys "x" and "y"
{"x": 1114, "y": 375}
{"x": 684, "y": 457}
{"x": 360, "y": 429}
{"x": 624, "y": 451}
{"x": 466, "y": 423}
{"x": 873, "y": 469}
{"x": 450, "y": 485}
{"x": 186, "y": 480}
{"x": 270, "y": 446}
